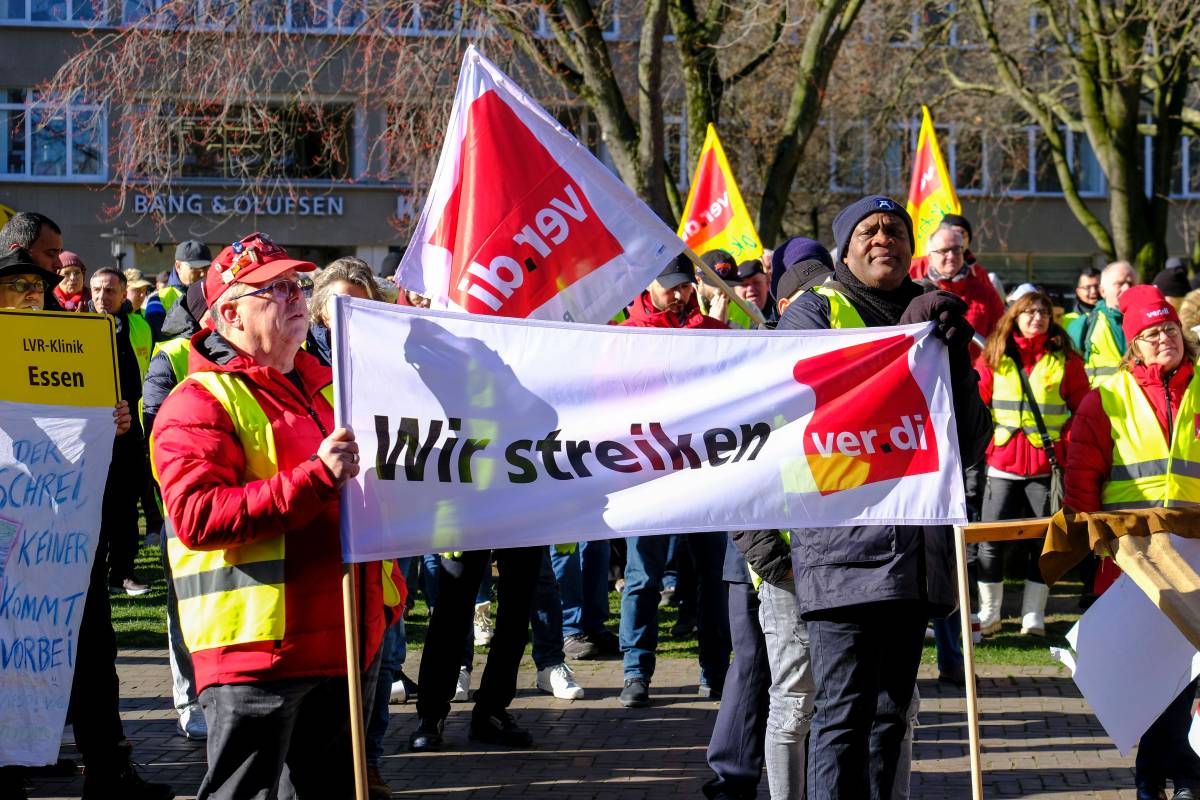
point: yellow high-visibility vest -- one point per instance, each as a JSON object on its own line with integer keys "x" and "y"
{"x": 1146, "y": 471}
{"x": 142, "y": 340}
{"x": 169, "y": 295}
{"x": 1103, "y": 354}
{"x": 235, "y": 595}
{"x": 1011, "y": 411}
{"x": 177, "y": 353}
{"x": 842, "y": 313}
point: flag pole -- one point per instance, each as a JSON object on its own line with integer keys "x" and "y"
{"x": 354, "y": 680}
{"x": 968, "y": 646}
{"x": 712, "y": 278}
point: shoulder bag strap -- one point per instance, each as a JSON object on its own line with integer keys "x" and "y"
{"x": 1027, "y": 390}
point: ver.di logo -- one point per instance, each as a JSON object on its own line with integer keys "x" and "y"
{"x": 871, "y": 421}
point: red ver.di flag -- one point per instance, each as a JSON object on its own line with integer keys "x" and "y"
{"x": 523, "y": 221}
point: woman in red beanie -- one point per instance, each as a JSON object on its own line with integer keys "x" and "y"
{"x": 1136, "y": 446}
{"x": 1028, "y": 340}
{"x": 71, "y": 293}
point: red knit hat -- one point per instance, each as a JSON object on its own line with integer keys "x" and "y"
{"x": 1144, "y": 307}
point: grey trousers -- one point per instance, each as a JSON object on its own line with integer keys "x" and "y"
{"x": 183, "y": 676}
{"x": 791, "y": 693}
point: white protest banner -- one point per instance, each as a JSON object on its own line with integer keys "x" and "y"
{"x": 523, "y": 221}
{"x": 484, "y": 432}
{"x": 56, "y": 437}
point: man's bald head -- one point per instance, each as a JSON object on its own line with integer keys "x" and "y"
{"x": 1114, "y": 280}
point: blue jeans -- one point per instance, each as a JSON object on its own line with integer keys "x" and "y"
{"x": 546, "y": 617}
{"x": 945, "y": 637}
{"x": 583, "y": 586}
{"x": 645, "y": 562}
{"x": 391, "y": 659}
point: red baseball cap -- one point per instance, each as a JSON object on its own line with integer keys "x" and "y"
{"x": 1143, "y": 307}
{"x": 254, "y": 260}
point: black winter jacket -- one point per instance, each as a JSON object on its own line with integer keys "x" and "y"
{"x": 837, "y": 567}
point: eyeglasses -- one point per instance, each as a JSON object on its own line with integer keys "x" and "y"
{"x": 1035, "y": 312}
{"x": 948, "y": 251}
{"x": 282, "y": 290}
{"x": 1161, "y": 333}
{"x": 22, "y": 286}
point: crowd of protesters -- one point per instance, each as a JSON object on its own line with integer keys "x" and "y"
{"x": 809, "y": 638}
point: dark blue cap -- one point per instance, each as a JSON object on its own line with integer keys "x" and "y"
{"x": 856, "y": 212}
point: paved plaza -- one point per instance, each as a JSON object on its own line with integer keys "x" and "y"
{"x": 1039, "y": 740}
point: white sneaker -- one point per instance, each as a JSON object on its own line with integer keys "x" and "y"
{"x": 398, "y": 695}
{"x": 463, "y": 688}
{"x": 192, "y": 724}
{"x": 484, "y": 629}
{"x": 559, "y": 681}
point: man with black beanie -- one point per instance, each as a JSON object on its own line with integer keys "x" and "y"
{"x": 866, "y": 592}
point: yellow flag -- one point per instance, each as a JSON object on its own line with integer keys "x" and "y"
{"x": 931, "y": 193}
{"x": 715, "y": 217}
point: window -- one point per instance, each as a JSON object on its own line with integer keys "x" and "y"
{"x": 966, "y": 161}
{"x": 302, "y": 143}
{"x": 847, "y": 158}
{"x": 1045, "y": 175}
{"x": 1185, "y": 172}
{"x": 309, "y": 15}
{"x": 207, "y": 13}
{"x": 53, "y": 12}
{"x": 1089, "y": 178}
{"x": 40, "y": 142}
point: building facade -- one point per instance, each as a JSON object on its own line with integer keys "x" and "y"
{"x": 60, "y": 165}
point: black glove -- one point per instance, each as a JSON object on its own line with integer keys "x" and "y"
{"x": 947, "y": 311}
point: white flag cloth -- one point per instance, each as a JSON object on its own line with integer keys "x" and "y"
{"x": 53, "y": 467}
{"x": 483, "y": 432}
{"x": 523, "y": 221}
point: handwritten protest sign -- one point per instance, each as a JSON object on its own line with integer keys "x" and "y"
{"x": 57, "y": 389}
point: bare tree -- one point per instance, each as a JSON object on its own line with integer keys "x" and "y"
{"x": 1112, "y": 71}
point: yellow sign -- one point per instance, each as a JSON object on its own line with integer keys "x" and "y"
{"x": 54, "y": 359}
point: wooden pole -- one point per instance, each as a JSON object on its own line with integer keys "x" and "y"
{"x": 713, "y": 279}
{"x": 964, "y": 609}
{"x": 354, "y": 680}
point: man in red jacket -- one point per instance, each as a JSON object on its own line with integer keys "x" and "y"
{"x": 250, "y": 466}
{"x": 670, "y": 302}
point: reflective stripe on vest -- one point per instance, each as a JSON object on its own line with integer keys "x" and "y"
{"x": 142, "y": 340}
{"x": 842, "y": 313}
{"x": 1144, "y": 473}
{"x": 1010, "y": 410}
{"x": 234, "y": 595}
{"x": 177, "y": 353}
{"x": 1103, "y": 353}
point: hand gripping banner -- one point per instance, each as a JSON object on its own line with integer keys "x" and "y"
{"x": 484, "y": 432}
{"x": 523, "y": 221}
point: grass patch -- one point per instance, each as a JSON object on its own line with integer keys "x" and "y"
{"x": 141, "y": 622}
